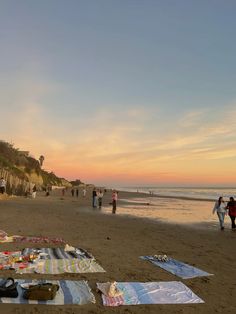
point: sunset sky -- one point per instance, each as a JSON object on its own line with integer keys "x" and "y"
{"x": 129, "y": 92}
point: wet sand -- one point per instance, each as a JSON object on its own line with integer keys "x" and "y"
{"x": 117, "y": 241}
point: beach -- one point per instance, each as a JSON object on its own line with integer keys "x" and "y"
{"x": 117, "y": 241}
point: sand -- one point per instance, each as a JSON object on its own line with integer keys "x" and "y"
{"x": 116, "y": 242}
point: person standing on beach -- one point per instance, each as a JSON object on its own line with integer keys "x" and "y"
{"x": 34, "y": 190}
{"x": 220, "y": 209}
{"x": 231, "y": 206}
{"x": 2, "y": 185}
{"x": 84, "y": 192}
{"x": 100, "y": 196}
{"x": 114, "y": 201}
{"x": 94, "y": 196}
{"x": 77, "y": 192}
{"x": 72, "y": 192}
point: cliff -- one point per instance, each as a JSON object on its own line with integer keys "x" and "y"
{"x": 21, "y": 171}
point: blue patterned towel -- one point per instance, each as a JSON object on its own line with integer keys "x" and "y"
{"x": 177, "y": 268}
{"x": 134, "y": 293}
{"x": 70, "y": 292}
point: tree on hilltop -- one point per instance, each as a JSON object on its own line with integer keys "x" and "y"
{"x": 41, "y": 160}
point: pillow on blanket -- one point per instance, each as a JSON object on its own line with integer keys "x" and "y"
{"x": 110, "y": 289}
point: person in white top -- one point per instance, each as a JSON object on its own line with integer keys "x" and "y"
{"x": 84, "y": 192}
{"x": 2, "y": 185}
{"x": 220, "y": 209}
{"x": 100, "y": 196}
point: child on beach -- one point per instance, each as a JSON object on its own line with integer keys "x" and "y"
{"x": 220, "y": 209}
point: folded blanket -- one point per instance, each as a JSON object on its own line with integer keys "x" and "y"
{"x": 177, "y": 268}
{"x": 134, "y": 293}
{"x": 70, "y": 292}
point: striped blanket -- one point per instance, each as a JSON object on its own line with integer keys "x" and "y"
{"x": 58, "y": 253}
{"x": 70, "y": 292}
{"x": 135, "y": 293}
{"x": 60, "y": 266}
{"x": 177, "y": 268}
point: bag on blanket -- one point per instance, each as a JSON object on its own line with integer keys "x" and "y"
{"x": 41, "y": 292}
{"x": 8, "y": 288}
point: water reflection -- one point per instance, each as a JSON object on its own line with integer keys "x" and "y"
{"x": 169, "y": 210}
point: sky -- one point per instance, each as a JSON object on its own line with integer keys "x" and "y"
{"x": 122, "y": 93}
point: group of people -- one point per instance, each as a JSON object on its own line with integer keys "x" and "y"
{"x": 222, "y": 208}
{"x": 97, "y": 197}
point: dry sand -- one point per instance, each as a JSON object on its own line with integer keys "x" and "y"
{"x": 117, "y": 242}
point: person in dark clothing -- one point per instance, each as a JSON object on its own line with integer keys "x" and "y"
{"x": 77, "y": 192}
{"x": 231, "y": 206}
{"x": 94, "y": 198}
{"x": 72, "y": 192}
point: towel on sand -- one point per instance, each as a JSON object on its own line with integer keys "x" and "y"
{"x": 70, "y": 292}
{"x": 134, "y": 293}
{"x": 60, "y": 266}
{"x": 177, "y": 268}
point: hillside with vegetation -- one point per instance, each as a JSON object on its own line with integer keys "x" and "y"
{"x": 20, "y": 169}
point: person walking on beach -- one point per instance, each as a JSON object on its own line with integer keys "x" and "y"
{"x": 72, "y": 192}
{"x": 231, "y": 206}
{"x": 2, "y": 185}
{"x": 77, "y": 192}
{"x": 100, "y": 196}
{"x": 220, "y": 209}
{"x": 84, "y": 192}
{"x": 114, "y": 201}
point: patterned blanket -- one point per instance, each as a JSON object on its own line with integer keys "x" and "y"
{"x": 58, "y": 253}
{"x": 135, "y": 293}
{"x": 60, "y": 266}
{"x": 177, "y": 268}
{"x": 70, "y": 292}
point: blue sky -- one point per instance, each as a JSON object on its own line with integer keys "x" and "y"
{"x": 129, "y": 74}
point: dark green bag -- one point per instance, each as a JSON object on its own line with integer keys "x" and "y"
{"x": 41, "y": 292}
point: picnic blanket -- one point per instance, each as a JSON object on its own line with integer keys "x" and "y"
{"x": 5, "y": 238}
{"x": 17, "y": 238}
{"x": 60, "y": 266}
{"x": 172, "y": 292}
{"x": 70, "y": 292}
{"x": 58, "y": 253}
{"x": 177, "y": 268}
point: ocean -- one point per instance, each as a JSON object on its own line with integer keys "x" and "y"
{"x": 201, "y": 193}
